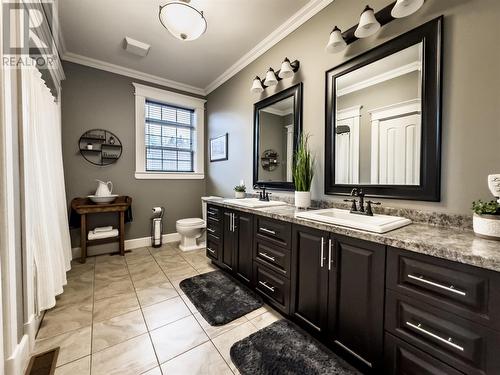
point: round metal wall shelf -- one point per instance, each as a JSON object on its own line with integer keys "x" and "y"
{"x": 100, "y": 147}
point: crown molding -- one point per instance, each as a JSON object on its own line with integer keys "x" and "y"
{"x": 290, "y": 25}
{"x": 102, "y": 65}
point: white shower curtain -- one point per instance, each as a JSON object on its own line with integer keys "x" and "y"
{"x": 47, "y": 233}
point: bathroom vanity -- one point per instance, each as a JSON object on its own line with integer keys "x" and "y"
{"x": 420, "y": 299}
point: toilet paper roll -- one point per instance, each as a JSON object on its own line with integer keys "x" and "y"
{"x": 157, "y": 210}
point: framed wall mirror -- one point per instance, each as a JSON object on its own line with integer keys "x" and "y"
{"x": 277, "y": 125}
{"x": 383, "y": 119}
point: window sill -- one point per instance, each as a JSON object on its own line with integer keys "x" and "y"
{"x": 169, "y": 176}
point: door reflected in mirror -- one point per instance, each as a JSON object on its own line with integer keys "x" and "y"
{"x": 378, "y": 121}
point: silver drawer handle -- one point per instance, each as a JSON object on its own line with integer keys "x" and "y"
{"x": 268, "y": 231}
{"x": 212, "y": 251}
{"x": 448, "y": 341}
{"x": 211, "y": 230}
{"x": 450, "y": 288}
{"x": 264, "y": 284}
{"x": 272, "y": 259}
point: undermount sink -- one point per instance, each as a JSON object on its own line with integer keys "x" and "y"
{"x": 375, "y": 223}
{"x": 253, "y": 203}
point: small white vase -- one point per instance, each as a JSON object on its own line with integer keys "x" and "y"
{"x": 302, "y": 199}
{"x": 487, "y": 226}
{"x": 240, "y": 194}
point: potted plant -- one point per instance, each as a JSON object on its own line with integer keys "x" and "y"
{"x": 239, "y": 191}
{"x": 303, "y": 172}
{"x": 486, "y": 220}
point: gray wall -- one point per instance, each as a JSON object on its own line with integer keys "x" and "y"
{"x": 93, "y": 98}
{"x": 471, "y": 103}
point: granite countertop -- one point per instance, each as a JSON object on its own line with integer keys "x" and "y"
{"x": 459, "y": 245}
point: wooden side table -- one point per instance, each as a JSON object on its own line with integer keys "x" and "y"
{"x": 84, "y": 207}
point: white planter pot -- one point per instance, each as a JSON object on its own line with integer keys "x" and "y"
{"x": 240, "y": 194}
{"x": 487, "y": 226}
{"x": 302, "y": 199}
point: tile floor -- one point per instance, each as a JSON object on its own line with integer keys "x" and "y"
{"x": 127, "y": 315}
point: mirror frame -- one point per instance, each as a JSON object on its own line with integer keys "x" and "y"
{"x": 296, "y": 92}
{"x": 430, "y": 34}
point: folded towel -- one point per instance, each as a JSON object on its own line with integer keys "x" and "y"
{"x": 103, "y": 229}
{"x": 99, "y": 235}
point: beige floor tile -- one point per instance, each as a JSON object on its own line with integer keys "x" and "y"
{"x": 131, "y": 357}
{"x": 177, "y": 337}
{"x": 214, "y": 331}
{"x": 65, "y": 319}
{"x": 202, "y": 360}
{"x": 155, "y": 371}
{"x": 109, "y": 259}
{"x": 207, "y": 269}
{"x": 226, "y": 340}
{"x": 105, "y": 289}
{"x": 171, "y": 262}
{"x": 113, "y": 306}
{"x": 165, "y": 312}
{"x": 84, "y": 272}
{"x": 189, "y": 304}
{"x": 176, "y": 285}
{"x": 113, "y": 273}
{"x": 180, "y": 272}
{"x": 79, "y": 367}
{"x": 73, "y": 345}
{"x": 138, "y": 270}
{"x": 138, "y": 256}
{"x": 265, "y": 319}
{"x": 116, "y": 330}
{"x": 76, "y": 293}
{"x": 149, "y": 279}
{"x": 157, "y": 293}
{"x": 259, "y": 311}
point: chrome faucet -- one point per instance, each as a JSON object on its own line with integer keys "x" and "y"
{"x": 362, "y": 210}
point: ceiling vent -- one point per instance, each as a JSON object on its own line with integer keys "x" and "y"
{"x": 136, "y": 47}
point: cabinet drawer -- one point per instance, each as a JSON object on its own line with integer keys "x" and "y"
{"x": 273, "y": 286}
{"x": 213, "y": 250}
{"x": 274, "y": 257}
{"x": 470, "y": 292}
{"x": 402, "y": 358}
{"x": 277, "y": 232}
{"x": 460, "y": 343}
{"x": 214, "y": 212}
{"x": 214, "y": 230}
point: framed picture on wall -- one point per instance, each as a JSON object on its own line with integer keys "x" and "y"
{"x": 218, "y": 148}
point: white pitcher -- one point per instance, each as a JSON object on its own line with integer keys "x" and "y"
{"x": 104, "y": 188}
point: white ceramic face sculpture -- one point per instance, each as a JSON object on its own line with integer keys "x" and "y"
{"x": 494, "y": 185}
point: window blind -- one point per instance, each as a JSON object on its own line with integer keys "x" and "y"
{"x": 169, "y": 138}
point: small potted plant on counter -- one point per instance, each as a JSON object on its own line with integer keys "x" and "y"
{"x": 239, "y": 191}
{"x": 303, "y": 172}
{"x": 486, "y": 220}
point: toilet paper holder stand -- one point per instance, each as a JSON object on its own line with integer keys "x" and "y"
{"x": 157, "y": 226}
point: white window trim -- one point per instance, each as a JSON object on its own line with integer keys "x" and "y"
{"x": 142, "y": 93}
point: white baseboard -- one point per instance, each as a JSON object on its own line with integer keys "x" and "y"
{"x": 18, "y": 361}
{"x": 133, "y": 243}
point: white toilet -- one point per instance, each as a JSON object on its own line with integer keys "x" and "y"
{"x": 191, "y": 229}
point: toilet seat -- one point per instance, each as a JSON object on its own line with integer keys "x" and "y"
{"x": 191, "y": 223}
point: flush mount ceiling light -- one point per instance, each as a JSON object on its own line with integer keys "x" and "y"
{"x": 336, "y": 43}
{"x": 368, "y": 24}
{"x": 182, "y": 20}
{"x": 404, "y": 8}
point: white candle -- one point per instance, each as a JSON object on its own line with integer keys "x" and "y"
{"x": 242, "y": 182}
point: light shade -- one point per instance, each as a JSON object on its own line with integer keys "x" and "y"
{"x": 404, "y": 8}
{"x": 368, "y": 24}
{"x": 182, "y": 20}
{"x": 270, "y": 78}
{"x": 336, "y": 43}
{"x": 257, "y": 86}
{"x": 286, "y": 70}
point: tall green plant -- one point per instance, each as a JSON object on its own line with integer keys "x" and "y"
{"x": 303, "y": 165}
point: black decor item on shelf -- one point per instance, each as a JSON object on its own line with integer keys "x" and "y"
{"x": 100, "y": 147}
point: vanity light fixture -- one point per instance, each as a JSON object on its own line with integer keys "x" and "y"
{"x": 271, "y": 79}
{"x": 257, "y": 85}
{"x": 404, "y": 8}
{"x": 288, "y": 70}
{"x": 368, "y": 24}
{"x": 336, "y": 43}
{"x": 182, "y": 20}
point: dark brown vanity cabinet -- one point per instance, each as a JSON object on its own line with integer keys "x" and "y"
{"x": 338, "y": 291}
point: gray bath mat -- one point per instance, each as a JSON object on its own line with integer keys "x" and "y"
{"x": 219, "y": 298}
{"x": 284, "y": 348}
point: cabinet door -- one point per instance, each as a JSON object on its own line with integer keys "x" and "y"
{"x": 227, "y": 256}
{"x": 310, "y": 276}
{"x": 356, "y": 299}
{"x": 244, "y": 231}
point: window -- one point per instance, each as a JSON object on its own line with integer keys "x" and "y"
{"x": 169, "y": 135}
{"x": 169, "y": 138}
